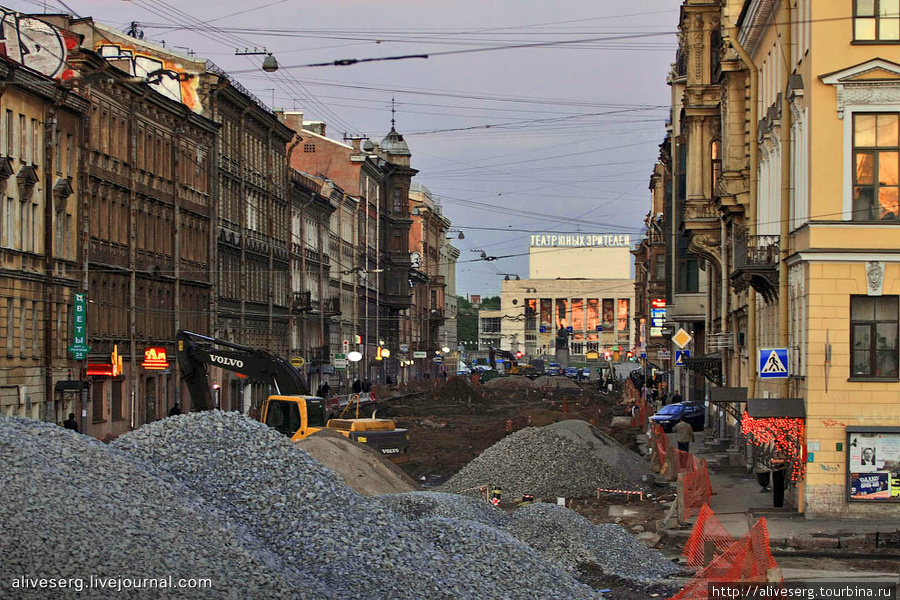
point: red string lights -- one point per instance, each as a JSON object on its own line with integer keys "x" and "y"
{"x": 787, "y": 434}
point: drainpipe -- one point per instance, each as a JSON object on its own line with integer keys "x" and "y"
{"x": 751, "y": 204}
{"x": 783, "y": 308}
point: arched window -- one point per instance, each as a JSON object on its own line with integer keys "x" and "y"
{"x": 715, "y": 161}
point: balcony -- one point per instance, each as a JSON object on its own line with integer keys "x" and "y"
{"x": 436, "y": 316}
{"x": 331, "y": 306}
{"x": 437, "y": 281}
{"x": 756, "y": 259}
{"x": 301, "y": 301}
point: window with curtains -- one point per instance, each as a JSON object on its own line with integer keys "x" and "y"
{"x": 873, "y": 337}
{"x": 876, "y": 158}
{"x": 876, "y": 20}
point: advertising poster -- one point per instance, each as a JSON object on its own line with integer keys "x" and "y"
{"x": 873, "y": 462}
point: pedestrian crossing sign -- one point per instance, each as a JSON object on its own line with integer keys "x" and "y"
{"x": 680, "y": 355}
{"x": 773, "y": 363}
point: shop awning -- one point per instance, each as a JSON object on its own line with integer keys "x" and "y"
{"x": 763, "y": 408}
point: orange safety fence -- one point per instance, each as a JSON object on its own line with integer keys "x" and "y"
{"x": 748, "y": 560}
{"x": 696, "y": 485}
{"x": 660, "y": 447}
{"x": 707, "y": 529}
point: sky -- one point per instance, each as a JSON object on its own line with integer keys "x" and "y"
{"x": 526, "y": 118}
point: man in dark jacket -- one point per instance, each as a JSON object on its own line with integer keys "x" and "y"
{"x": 71, "y": 423}
{"x": 357, "y": 386}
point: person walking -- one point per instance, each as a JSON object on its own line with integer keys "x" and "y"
{"x": 71, "y": 423}
{"x": 676, "y": 397}
{"x": 684, "y": 435}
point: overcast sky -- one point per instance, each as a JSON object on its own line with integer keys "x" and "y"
{"x": 549, "y": 139}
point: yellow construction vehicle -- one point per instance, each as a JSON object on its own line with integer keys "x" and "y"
{"x": 290, "y": 410}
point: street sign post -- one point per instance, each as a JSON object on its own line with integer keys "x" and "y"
{"x": 680, "y": 355}
{"x": 682, "y": 338}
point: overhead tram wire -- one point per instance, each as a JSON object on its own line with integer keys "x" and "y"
{"x": 215, "y": 34}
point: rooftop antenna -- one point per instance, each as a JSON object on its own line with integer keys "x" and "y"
{"x": 393, "y": 113}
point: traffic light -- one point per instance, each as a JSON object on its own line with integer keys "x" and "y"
{"x": 518, "y": 354}
{"x": 629, "y": 355}
{"x": 357, "y": 339}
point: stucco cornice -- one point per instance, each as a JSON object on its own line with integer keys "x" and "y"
{"x": 756, "y": 18}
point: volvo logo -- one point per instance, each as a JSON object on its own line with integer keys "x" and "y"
{"x": 228, "y": 362}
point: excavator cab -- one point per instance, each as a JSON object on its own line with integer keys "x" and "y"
{"x": 294, "y": 416}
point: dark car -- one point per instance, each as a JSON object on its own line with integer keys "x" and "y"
{"x": 667, "y": 416}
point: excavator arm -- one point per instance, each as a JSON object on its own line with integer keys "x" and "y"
{"x": 196, "y": 353}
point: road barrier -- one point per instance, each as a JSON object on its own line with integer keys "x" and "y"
{"x": 694, "y": 487}
{"x": 747, "y": 560}
{"x": 708, "y": 537}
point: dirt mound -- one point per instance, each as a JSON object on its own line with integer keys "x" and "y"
{"x": 459, "y": 390}
{"x": 511, "y": 383}
{"x": 363, "y": 468}
{"x": 563, "y": 384}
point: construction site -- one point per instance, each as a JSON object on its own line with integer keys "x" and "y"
{"x": 548, "y": 488}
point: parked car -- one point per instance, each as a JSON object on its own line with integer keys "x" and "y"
{"x": 554, "y": 369}
{"x": 572, "y": 372}
{"x": 667, "y": 416}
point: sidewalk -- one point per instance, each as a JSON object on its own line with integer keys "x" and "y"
{"x": 738, "y": 503}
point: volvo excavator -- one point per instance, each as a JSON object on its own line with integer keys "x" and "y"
{"x": 291, "y": 410}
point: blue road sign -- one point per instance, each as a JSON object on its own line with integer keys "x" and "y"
{"x": 643, "y": 355}
{"x": 543, "y": 329}
{"x": 680, "y": 355}
{"x": 773, "y": 363}
{"x": 600, "y": 328}
{"x": 569, "y": 329}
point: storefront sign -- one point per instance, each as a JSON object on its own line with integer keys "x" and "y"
{"x": 155, "y": 359}
{"x": 79, "y": 348}
{"x": 602, "y": 240}
{"x": 420, "y": 354}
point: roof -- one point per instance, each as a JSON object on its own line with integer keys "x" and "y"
{"x": 393, "y": 143}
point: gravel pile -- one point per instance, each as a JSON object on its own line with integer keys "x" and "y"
{"x": 73, "y": 508}
{"x": 567, "y": 459}
{"x": 560, "y": 535}
{"x": 220, "y": 496}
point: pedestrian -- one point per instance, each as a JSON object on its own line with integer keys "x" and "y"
{"x": 444, "y": 376}
{"x": 175, "y": 410}
{"x": 676, "y": 397}
{"x": 366, "y": 385}
{"x": 71, "y": 423}
{"x": 684, "y": 435}
{"x": 357, "y": 386}
{"x": 324, "y": 390}
{"x": 779, "y": 466}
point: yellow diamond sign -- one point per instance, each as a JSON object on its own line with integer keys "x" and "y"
{"x": 682, "y": 338}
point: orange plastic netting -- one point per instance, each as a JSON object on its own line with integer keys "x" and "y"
{"x": 707, "y": 528}
{"x": 747, "y": 560}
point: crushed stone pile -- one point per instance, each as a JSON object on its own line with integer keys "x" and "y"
{"x": 566, "y": 459}
{"x": 72, "y": 508}
{"x": 560, "y": 535}
{"x": 218, "y": 495}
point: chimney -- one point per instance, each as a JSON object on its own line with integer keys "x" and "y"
{"x": 293, "y": 119}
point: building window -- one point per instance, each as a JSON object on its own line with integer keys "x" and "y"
{"x": 116, "y": 400}
{"x": 873, "y": 336}
{"x": 876, "y": 20}
{"x": 309, "y": 148}
{"x": 97, "y": 401}
{"x": 490, "y": 325}
{"x": 876, "y": 149}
